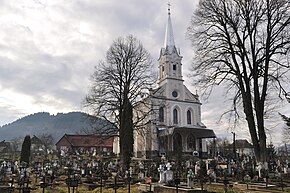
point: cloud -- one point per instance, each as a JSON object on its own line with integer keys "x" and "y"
{"x": 48, "y": 50}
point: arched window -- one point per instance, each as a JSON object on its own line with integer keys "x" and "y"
{"x": 175, "y": 116}
{"x": 161, "y": 114}
{"x": 188, "y": 115}
{"x": 191, "y": 144}
{"x": 177, "y": 142}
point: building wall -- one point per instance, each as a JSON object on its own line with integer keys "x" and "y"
{"x": 63, "y": 143}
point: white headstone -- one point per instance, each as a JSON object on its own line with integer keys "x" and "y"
{"x": 161, "y": 174}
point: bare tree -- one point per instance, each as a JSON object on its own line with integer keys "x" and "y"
{"x": 244, "y": 44}
{"x": 118, "y": 85}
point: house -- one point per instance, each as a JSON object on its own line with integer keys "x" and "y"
{"x": 6, "y": 147}
{"x": 85, "y": 144}
{"x": 8, "y": 150}
{"x": 243, "y": 147}
{"x": 175, "y": 123}
{"x": 37, "y": 144}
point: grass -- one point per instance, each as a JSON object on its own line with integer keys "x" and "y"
{"x": 84, "y": 189}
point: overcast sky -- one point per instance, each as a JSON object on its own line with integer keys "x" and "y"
{"x": 48, "y": 50}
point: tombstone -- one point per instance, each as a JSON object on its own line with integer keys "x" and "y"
{"x": 266, "y": 165}
{"x": 62, "y": 153}
{"x": 197, "y": 168}
{"x": 259, "y": 168}
{"x": 141, "y": 171}
{"x": 161, "y": 174}
{"x": 163, "y": 158}
{"x": 285, "y": 169}
{"x": 190, "y": 176}
{"x": 247, "y": 179}
{"x": 278, "y": 163}
{"x": 212, "y": 175}
{"x": 187, "y": 164}
{"x": 168, "y": 173}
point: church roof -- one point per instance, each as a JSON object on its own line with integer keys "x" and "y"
{"x": 198, "y": 131}
{"x": 88, "y": 140}
{"x": 160, "y": 93}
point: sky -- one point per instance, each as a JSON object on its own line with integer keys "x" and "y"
{"x": 48, "y": 50}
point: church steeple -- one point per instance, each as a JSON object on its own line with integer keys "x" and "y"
{"x": 169, "y": 37}
{"x": 170, "y": 67}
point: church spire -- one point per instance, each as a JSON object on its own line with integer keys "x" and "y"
{"x": 169, "y": 38}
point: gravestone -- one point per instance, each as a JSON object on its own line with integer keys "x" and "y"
{"x": 141, "y": 171}
{"x": 162, "y": 176}
{"x": 190, "y": 176}
{"x": 168, "y": 173}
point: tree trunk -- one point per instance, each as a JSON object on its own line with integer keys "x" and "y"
{"x": 126, "y": 135}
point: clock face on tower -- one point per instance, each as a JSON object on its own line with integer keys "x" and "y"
{"x": 174, "y": 94}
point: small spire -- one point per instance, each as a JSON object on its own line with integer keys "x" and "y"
{"x": 169, "y": 38}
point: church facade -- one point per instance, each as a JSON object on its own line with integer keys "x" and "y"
{"x": 174, "y": 124}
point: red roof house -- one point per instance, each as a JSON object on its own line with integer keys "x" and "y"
{"x": 85, "y": 144}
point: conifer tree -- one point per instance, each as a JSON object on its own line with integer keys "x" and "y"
{"x": 25, "y": 150}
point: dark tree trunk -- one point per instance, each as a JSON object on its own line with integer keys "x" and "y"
{"x": 243, "y": 44}
{"x": 126, "y": 135}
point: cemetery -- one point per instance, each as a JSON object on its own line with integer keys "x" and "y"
{"x": 153, "y": 138}
{"x": 86, "y": 173}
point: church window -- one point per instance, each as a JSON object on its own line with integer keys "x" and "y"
{"x": 174, "y": 66}
{"x": 161, "y": 114}
{"x": 175, "y": 116}
{"x": 174, "y": 94}
{"x": 188, "y": 115}
{"x": 191, "y": 142}
{"x": 162, "y": 68}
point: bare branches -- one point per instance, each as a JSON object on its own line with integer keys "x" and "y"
{"x": 245, "y": 45}
{"x": 126, "y": 73}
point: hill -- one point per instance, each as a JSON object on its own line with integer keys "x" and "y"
{"x": 56, "y": 125}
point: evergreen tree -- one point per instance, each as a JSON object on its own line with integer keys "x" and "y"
{"x": 25, "y": 150}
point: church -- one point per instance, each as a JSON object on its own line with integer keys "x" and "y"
{"x": 174, "y": 124}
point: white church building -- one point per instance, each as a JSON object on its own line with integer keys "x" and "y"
{"x": 174, "y": 124}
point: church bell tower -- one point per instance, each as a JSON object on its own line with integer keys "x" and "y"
{"x": 170, "y": 67}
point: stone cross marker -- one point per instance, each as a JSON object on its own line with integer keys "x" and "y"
{"x": 190, "y": 176}
{"x": 161, "y": 174}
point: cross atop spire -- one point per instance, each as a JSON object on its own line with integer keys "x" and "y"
{"x": 168, "y": 7}
{"x": 169, "y": 38}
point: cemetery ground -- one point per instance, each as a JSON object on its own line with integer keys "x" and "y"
{"x": 87, "y": 174}
{"x": 60, "y": 186}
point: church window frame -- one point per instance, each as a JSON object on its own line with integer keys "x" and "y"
{"x": 175, "y": 116}
{"x": 161, "y": 114}
{"x": 189, "y": 116}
